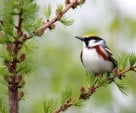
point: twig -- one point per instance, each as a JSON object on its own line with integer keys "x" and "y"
{"x": 49, "y": 23}
{"x": 126, "y": 70}
{"x": 52, "y": 21}
{"x": 20, "y": 20}
{"x": 65, "y": 106}
{"x": 84, "y": 95}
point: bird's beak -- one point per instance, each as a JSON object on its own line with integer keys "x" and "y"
{"x": 80, "y": 38}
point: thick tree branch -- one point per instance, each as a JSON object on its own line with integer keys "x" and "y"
{"x": 13, "y": 48}
{"x": 13, "y": 82}
{"x": 13, "y": 95}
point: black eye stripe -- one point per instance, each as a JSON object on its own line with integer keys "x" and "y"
{"x": 86, "y": 43}
{"x": 97, "y": 40}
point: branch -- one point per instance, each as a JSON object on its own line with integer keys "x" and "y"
{"x": 65, "y": 106}
{"x": 68, "y": 5}
{"x": 126, "y": 70}
{"x": 20, "y": 20}
{"x": 13, "y": 79}
{"x": 49, "y": 23}
{"x": 86, "y": 94}
{"x": 56, "y": 18}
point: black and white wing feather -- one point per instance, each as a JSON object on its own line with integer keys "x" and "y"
{"x": 111, "y": 57}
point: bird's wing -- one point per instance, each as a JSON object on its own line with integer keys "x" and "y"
{"x": 111, "y": 57}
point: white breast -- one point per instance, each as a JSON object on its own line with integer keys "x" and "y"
{"x": 94, "y": 63}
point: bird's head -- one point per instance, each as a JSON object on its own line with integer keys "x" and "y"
{"x": 91, "y": 40}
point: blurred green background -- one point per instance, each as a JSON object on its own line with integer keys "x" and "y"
{"x": 57, "y": 62}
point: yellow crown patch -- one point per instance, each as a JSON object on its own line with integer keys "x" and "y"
{"x": 89, "y": 35}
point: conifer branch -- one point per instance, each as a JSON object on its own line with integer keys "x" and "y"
{"x": 86, "y": 94}
{"x": 20, "y": 35}
{"x": 126, "y": 70}
{"x": 65, "y": 106}
{"x": 56, "y": 18}
{"x": 49, "y": 23}
{"x": 20, "y": 20}
{"x": 13, "y": 78}
{"x": 69, "y": 4}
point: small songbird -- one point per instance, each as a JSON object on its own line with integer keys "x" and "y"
{"x": 96, "y": 56}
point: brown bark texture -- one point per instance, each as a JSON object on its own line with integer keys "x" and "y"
{"x": 13, "y": 95}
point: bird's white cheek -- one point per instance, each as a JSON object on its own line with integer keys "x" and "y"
{"x": 91, "y": 43}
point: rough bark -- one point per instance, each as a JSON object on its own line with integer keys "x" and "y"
{"x": 13, "y": 95}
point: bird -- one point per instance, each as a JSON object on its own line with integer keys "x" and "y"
{"x": 95, "y": 56}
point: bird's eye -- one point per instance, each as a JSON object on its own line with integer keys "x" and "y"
{"x": 96, "y": 41}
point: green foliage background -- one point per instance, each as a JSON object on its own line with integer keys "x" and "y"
{"x": 56, "y": 62}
